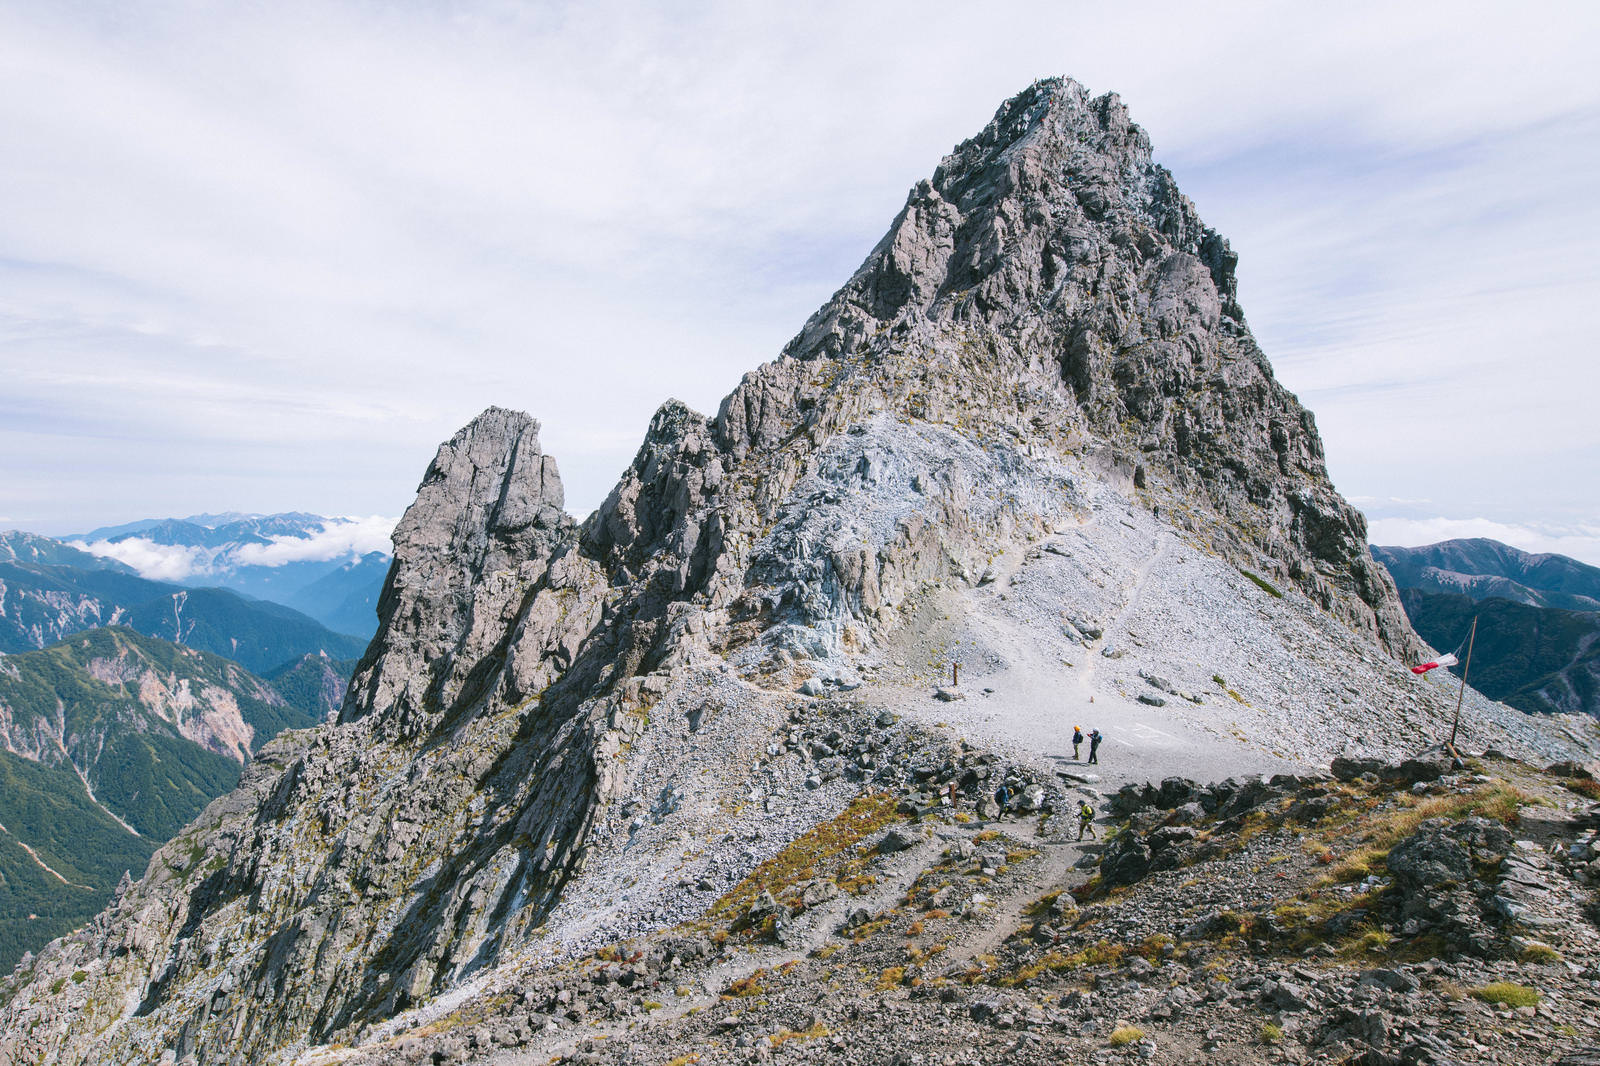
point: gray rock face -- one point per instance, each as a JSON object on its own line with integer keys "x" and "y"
{"x": 487, "y": 518}
{"x": 1054, "y": 234}
{"x": 1126, "y": 860}
{"x": 1047, "y": 293}
{"x": 383, "y": 854}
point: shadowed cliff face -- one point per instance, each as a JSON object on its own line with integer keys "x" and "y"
{"x": 1047, "y": 296}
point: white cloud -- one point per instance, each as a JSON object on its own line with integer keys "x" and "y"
{"x": 1404, "y": 501}
{"x": 1578, "y": 542}
{"x": 158, "y": 562}
{"x": 339, "y": 538}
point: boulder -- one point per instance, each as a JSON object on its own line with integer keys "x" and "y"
{"x": 1286, "y": 995}
{"x": 1429, "y": 857}
{"x": 1032, "y": 798}
{"x": 1175, "y": 792}
{"x": 899, "y": 838}
{"x": 1346, "y": 769}
{"x": 1393, "y": 980}
{"x": 818, "y": 892}
{"x": 1125, "y": 860}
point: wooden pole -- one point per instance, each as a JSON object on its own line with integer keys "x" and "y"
{"x": 955, "y": 675}
{"x": 1465, "y": 667}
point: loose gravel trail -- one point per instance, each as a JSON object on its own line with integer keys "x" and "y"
{"x": 1058, "y": 859}
{"x": 1119, "y": 624}
{"x": 1026, "y": 684}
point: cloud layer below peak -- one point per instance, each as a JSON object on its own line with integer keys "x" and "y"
{"x": 339, "y": 540}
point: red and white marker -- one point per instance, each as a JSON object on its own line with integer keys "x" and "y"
{"x": 1443, "y": 660}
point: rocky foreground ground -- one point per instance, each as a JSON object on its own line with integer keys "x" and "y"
{"x": 1425, "y": 912}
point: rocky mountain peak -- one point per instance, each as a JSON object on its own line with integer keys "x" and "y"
{"x": 1031, "y": 433}
{"x": 1012, "y": 213}
{"x": 1050, "y": 274}
{"x": 488, "y": 515}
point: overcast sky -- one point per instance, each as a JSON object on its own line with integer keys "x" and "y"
{"x": 265, "y": 257}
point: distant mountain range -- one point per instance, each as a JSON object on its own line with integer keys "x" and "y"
{"x": 110, "y": 742}
{"x": 328, "y": 568}
{"x": 127, "y": 704}
{"x": 42, "y": 602}
{"x": 1538, "y": 639}
{"x": 1482, "y": 569}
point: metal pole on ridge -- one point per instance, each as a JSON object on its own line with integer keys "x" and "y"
{"x": 1466, "y": 666}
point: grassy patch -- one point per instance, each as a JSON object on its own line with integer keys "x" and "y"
{"x": 1041, "y": 906}
{"x": 1100, "y": 953}
{"x": 1367, "y": 942}
{"x": 1584, "y": 786}
{"x": 745, "y": 987}
{"x": 1270, "y": 1033}
{"x": 1303, "y": 920}
{"x": 1125, "y": 1034}
{"x": 784, "y": 1036}
{"x": 1540, "y": 953}
{"x": 1263, "y": 584}
{"x": 1152, "y": 948}
{"x": 799, "y": 861}
{"x": 1506, "y": 994}
{"x": 1383, "y": 829}
{"x": 868, "y": 930}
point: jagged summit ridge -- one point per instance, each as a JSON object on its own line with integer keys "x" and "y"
{"x": 1045, "y": 344}
{"x": 1104, "y": 298}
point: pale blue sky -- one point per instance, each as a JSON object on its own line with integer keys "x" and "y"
{"x": 265, "y": 257}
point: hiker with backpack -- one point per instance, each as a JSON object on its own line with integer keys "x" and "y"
{"x": 1086, "y": 820}
{"x": 1077, "y": 739}
{"x": 1094, "y": 745}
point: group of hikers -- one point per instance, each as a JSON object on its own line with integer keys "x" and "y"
{"x": 1086, "y": 812}
{"x": 1094, "y": 743}
{"x": 1002, "y": 795}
